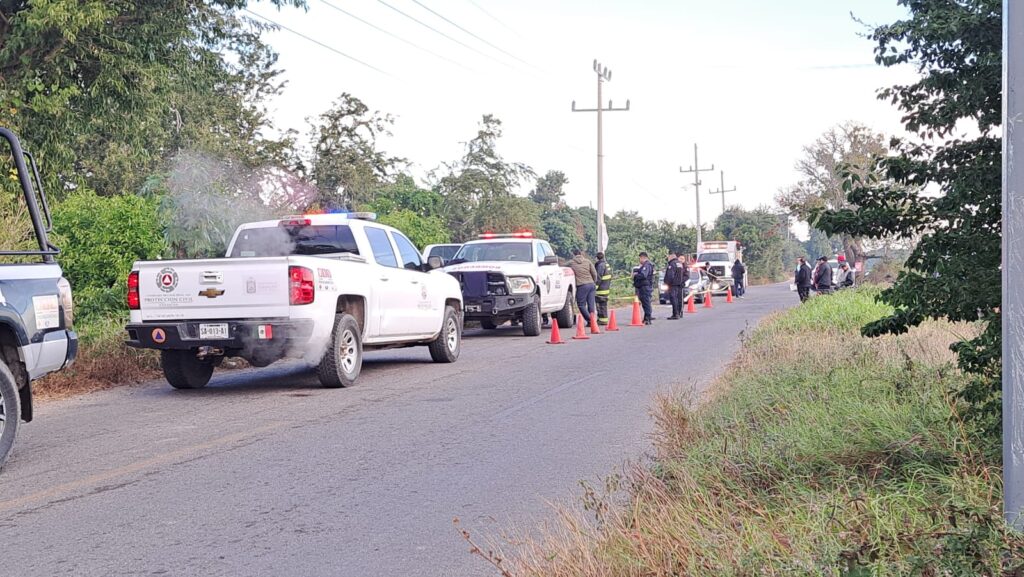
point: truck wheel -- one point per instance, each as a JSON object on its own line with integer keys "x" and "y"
{"x": 531, "y": 320}
{"x": 448, "y": 344}
{"x": 184, "y": 371}
{"x": 343, "y": 360}
{"x": 488, "y": 324}
{"x": 10, "y": 412}
{"x": 565, "y": 317}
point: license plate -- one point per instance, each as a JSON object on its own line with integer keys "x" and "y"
{"x": 213, "y": 331}
{"x": 472, "y": 308}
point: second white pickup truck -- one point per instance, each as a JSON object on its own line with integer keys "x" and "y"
{"x": 319, "y": 287}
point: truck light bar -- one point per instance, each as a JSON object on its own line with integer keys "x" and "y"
{"x": 520, "y": 234}
{"x": 304, "y": 220}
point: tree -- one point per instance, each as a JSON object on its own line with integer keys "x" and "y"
{"x": 549, "y": 189}
{"x": 421, "y": 230}
{"x": 957, "y": 48}
{"x": 346, "y": 165}
{"x": 480, "y": 182}
{"x": 761, "y": 233}
{"x": 104, "y": 92}
{"x": 848, "y": 148}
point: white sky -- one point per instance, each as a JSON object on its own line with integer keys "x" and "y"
{"x": 750, "y": 81}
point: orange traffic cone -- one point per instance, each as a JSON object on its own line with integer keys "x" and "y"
{"x": 556, "y": 339}
{"x": 728, "y": 294}
{"x": 593, "y": 325}
{"x": 638, "y": 318}
{"x": 579, "y": 329}
{"x": 689, "y": 305}
{"x": 612, "y": 325}
{"x": 707, "y": 301}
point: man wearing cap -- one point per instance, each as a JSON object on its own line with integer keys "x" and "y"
{"x": 604, "y": 288}
{"x": 802, "y": 279}
{"x": 822, "y": 279}
{"x": 675, "y": 277}
{"x": 643, "y": 282}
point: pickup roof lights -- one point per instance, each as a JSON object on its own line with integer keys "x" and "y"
{"x": 304, "y": 220}
{"x": 520, "y": 234}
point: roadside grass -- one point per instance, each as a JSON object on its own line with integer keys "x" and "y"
{"x": 103, "y": 361}
{"x": 820, "y": 452}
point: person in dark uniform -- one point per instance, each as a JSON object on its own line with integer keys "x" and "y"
{"x": 822, "y": 277}
{"x": 675, "y": 278}
{"x": 738, "y": 272}
{"x": 643, "y": 282}
{"x": 803, "y": 279}
{"x": 604, "y": 288}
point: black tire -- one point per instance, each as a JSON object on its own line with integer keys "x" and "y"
{"x": 448, "y": 344}
{"x": 565, "y": 317}
{"x": 531, "y": 320}
{"x": 10, "y": 412}
{"x": 343, "y": 358}
{"x": 184, "y": 371}
{"x": 488, "y": 324}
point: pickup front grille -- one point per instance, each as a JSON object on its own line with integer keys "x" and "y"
{"x": 718, "y": 271}
{"x": 476, "y": 284}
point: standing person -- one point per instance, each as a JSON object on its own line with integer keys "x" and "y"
{"x": 803, "y": 279}
{"x": 604, "y": 288}
{"x": 643, "y": 282}
{"x": 738, "y": 272}
{"x": 822, "y": 278}
{"x": 586, "y": 284}
{"x": 675, "y": 278}
{"x": 844, "y": 278}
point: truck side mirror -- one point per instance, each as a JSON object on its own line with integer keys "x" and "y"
{"x": 434, "y": 262}
{"x": 550, "y": 260}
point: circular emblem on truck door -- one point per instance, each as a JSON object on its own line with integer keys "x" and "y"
{"x": 167, "y": 279}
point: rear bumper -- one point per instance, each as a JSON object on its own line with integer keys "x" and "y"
{"x": 242, "y": 334}
{"x": 495, "y": 306}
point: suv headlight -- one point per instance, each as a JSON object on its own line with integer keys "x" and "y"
{"x": 64, "y": 289}
{"x": 520, "y": 284}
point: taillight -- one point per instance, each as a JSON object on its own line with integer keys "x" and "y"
{"x": 133, "y": 290}
{"x": 301, "y": 289}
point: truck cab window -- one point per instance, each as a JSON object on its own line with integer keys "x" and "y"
{"x": 410, "y": 256}
{"x": 383, "y": 252}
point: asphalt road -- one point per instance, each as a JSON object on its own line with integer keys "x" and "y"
{"x": 265, "y": 473}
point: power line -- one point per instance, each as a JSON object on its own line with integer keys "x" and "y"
{"x": 459, "y": 42}
{"x": 318, "y": 43}
{"x": 396, "y": 37}
{"x": 495, "y": 18}
{"x": 439, "y": 15}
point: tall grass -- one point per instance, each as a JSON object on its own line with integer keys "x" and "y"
{"x": 823, "y": 453}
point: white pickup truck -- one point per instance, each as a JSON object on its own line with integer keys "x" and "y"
{"x": 513, "y": 277}
{"x": 319, "y": 287}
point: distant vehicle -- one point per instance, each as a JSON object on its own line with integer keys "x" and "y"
{"x": 324, "y": 287}
{"x": 513, "y": 277}
{"x": 445, "y": 251}
{"x": 663, "y": 291}
{"x": 35, "y": 307}
{"x": 697, "y": 283}
{"x": 719, "y": 256}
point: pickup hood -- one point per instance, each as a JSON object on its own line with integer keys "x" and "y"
{"x": 526, "y": 269}
{"x": 224, "y": 288}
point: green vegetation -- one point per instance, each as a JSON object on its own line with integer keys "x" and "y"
{"x": 820, "y": 452}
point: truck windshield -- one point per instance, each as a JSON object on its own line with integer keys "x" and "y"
{"x": 445, "y": 251}
{"x": 713, "y": 256}
{"x": 285, "y": 241}
{"x": 514, "y": 251}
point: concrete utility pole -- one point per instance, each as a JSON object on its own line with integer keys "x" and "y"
{"x": 603, "y": 75}
{"x": 1013, "y": 263}
{"x": 722, "y": 191}
{"x": 696, "y": 170}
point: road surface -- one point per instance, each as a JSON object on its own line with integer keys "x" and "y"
{"x": 265, "y": 473}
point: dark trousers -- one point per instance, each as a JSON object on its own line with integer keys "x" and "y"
{"x": 586, "y": 300}
{"x": 675, "y": 293}
{"x": 602, "y": 309}
{"x": 804, "y": 292}
{"x": 737, "y": 287}
{"x": 644, "y": 294}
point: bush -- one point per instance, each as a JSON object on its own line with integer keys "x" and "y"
{"x": 100, "y": 237}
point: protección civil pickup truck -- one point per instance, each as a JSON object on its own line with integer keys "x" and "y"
{"x": 513, "y": 277}
{"x": 322, "y": 287}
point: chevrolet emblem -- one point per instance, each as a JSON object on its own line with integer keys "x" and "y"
{"x": 211, "y": 293}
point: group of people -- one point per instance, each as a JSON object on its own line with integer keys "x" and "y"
{"x": 820, "y": 278}
{"x": 593, "y": 285}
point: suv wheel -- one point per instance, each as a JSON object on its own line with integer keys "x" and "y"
{"x": 448, "y": 344}
{"x": 184, "y": 371}
{"x": 531, "y": 319}
{"x": 10, "y": 412}
{"x": 343, "y": 359}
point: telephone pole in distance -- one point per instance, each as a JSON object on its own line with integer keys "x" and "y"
{"x": 603, "y": 75}
{"x": 722, "y": 191}
{"x": 696, "y": 170}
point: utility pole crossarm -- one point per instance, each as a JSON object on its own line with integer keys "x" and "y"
{"x": 696, "y": 170}
{"x": 722, "y": 191}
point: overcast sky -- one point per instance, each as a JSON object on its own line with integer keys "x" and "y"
{"x": 750, "y": 81}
